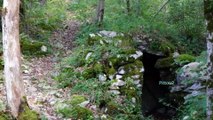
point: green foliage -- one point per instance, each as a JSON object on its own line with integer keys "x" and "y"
{"x": 103, "y": 56}
{"x": 30, "y": 47}
{"x": 202, "y": 57}
{"x": 39, "y": 20}
{"x": 77, "y": 112}
{"x": 27, "y": 113}
{"x": 194, "y": 108}
{"x": 165, "y": 62}
{"x": 77, "y": 99}
{"x": 184, "y": 59}
{"x": 5, "y": 116}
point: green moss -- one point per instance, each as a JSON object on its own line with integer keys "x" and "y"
{"x": 93, "y": 40}
{"x": 27, "y": 114}
{"x": 78, "y": 112}
{"x": 164, "y": 62}
{"x": 32, "y": 48}
{"x": 77, "y": 99}
{"x": 111, "y": 71}
{"x": 89, "y": 73}
{"x": 129, "y": 51}
{"x": 1, "y": 63}
{"x": 184, "y": 59}
{"x": 5, "y": 116}
{"x": 130, "y": 92}
{"x": 98, "y": 67}
{"x": 113, "y": 108}
{"x": 166, "y": 47}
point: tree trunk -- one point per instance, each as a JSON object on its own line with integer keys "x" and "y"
{"x": 11, "y": 49}
{"x": 208, "y": 11}
{"x": 100, "y": 12}
{"x": 138, "y": 10}
{"x": 128, "y": 6}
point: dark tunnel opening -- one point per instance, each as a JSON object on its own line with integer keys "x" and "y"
{"x": 154, "y": 93}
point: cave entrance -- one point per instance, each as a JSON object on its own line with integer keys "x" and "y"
{"x": 153, "y": 93}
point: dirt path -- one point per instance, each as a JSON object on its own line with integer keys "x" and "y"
{"x": 40, "y": 88}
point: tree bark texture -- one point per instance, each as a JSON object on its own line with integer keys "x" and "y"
{"x": 100, "y": 12}
{"x": 12, "y": 55}
{"x": 208, "y": 12}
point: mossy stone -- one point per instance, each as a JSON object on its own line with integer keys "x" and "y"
{"x": 77, "y": 99}
{"x": 167, "y": 47}
{"x": 184, "y": 59}
{"x": 32, "y": 48}
{"x": 164, "y": 62}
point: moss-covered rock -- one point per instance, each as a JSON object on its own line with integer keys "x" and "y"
{"x": 77, "y": 99}
{"x": 164, "y": 62}
{"x": 166, "y": 47}
{"x": 33, "y": 48}
{"x": 184, "y": 59}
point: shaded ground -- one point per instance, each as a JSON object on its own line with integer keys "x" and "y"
{"x": 40, "y": 88}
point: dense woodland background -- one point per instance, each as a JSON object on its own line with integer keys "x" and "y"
{"x": 84, "y": 59}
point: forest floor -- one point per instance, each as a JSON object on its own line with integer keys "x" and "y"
{"x": 40, "y": 88}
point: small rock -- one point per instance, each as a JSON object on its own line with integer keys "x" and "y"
{"x": 102, "y": 77}
{"x": 122, "y": 71}
{"x": 108, "y": 33}
{"x": 84, "y": 104}
{"x": 118, "y": 77}
{"x": 93, "y": 107}
{"x": 134, "y": 100}
{"x": 119, "y": 83}
{"x": 88, "y": 55}
{"x": 139, "y": 86}
{"x": 175, "y": 54}
{"x": 44, "y": 48}
{"x": 136, "y": 82}
{"x": 142, "y": 69}
{"x": 92, "y": 35}
{"x": 137, "y": 55}
{"x": 135, "y": 76}
{"x": 116, "y": 92}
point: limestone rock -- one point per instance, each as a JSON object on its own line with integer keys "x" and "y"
{"x": 108, "y": 33}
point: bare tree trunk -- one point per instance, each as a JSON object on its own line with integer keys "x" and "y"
{"x": 208, "y": 11}
{"x": 11, "y": 48}
{"x": 100, "y": 12}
